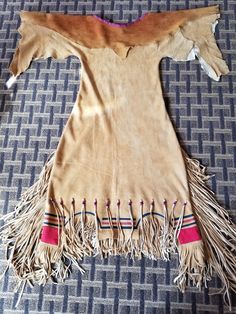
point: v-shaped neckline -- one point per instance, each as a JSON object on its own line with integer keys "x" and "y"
{"x": 119, "y": 24}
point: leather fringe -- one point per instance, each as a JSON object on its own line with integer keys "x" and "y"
{"x": 156, "y": 240}
{"x": 192, "y": 266}
{"x": 21, "y": 230}
{"x": 36, "y": 262}
{"x": 217, "y": 229}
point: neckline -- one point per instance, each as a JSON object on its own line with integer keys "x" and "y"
{"x": 117, "y": 24}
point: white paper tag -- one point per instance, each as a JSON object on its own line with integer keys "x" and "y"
{"x": 11, "y": 81}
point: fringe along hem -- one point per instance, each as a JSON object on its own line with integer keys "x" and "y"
{"x": 217, "y": 229}
{"x": 36, "y": 262}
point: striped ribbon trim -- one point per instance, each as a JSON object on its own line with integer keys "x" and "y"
{"x": 189, "y": 231}
{"x": 188, "y": 221}
{"x": 53, "y": 220}
{"x": 125, "y": 222}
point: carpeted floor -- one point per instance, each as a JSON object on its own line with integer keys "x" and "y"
{"x": 33, "y": 114}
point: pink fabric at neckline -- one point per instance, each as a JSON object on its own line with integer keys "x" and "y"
{"x": 120, "y": 24}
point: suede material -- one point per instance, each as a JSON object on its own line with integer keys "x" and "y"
{"x": 119, "y": 142}
{"x": 91, "y": 32}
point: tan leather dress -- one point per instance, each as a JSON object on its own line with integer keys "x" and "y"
{"x": 119, "y": 182}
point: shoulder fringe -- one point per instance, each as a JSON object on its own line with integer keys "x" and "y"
{"x": 217, "y": 229}
{"x": 36, "y": 262}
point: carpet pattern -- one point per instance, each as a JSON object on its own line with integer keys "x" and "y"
{"x": 32, "y": 116}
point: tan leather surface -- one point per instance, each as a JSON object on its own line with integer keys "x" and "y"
{"x": 91, "y": 32}
{"x": 119, "y": 142}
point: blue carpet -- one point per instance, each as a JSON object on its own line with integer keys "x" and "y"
{"x": 33, "y": 114}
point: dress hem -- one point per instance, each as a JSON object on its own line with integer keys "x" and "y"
{"x": 213, "y": 249}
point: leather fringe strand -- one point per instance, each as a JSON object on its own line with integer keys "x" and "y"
{"x": 217, "y": 229}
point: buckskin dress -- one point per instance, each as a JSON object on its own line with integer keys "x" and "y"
{"x": 119, "y": 182}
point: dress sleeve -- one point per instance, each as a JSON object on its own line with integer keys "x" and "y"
{"x": 196, "y": 38}
{"x": 36, "y": 42}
